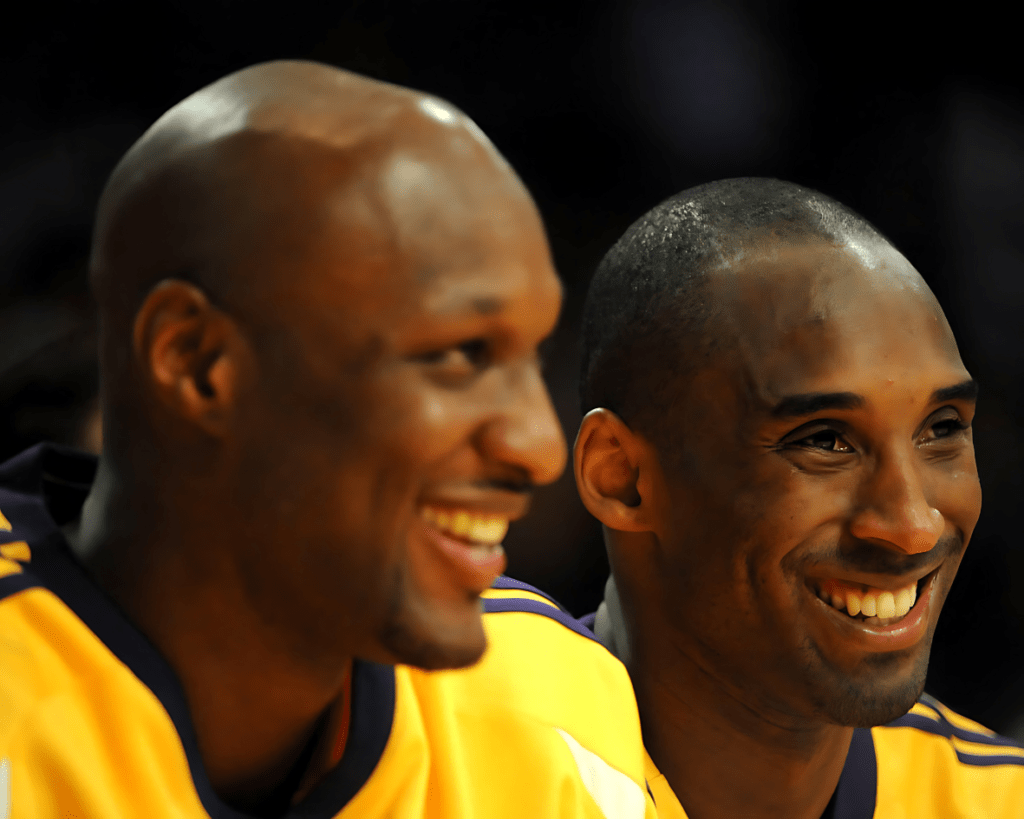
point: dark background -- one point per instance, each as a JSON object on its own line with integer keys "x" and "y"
{"x": 605, "y": 108}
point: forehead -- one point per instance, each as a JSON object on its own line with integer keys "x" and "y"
{"x": 832, "y": 317}
{"x": 418, "y": 238}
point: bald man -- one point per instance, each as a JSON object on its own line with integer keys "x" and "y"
{"x": 321, "y": 299}
{"x": 778, "y": 443}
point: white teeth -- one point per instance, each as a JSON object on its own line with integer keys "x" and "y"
{"x": 885, "y": 605}
{"x": 466, "y": 525}
{"x": 905, "y": 600}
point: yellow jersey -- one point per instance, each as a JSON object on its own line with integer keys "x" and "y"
{"x": 930, "y": 764}
{"x": 94, "y": 723}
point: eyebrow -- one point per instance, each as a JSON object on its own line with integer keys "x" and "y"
{"x": 964, "y": 391}
{"x": 806, "y": 404}
{"x": 793, "y": 406}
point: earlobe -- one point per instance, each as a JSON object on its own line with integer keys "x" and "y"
{"x": 609, "y": 460}
{"x": 185, "y": 348}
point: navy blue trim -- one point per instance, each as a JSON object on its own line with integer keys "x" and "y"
{"x": 948, "y": 731}
{"x": 942, "y": 727}
{"x": 588, "y": 620}
{"x": 830, "y": 808}
{"x": 857, "y": 791}
{"x": 14, "y": 583}
{"x": 65, "y": 578}
{"x": 373, "y": 686}
{"x": 989, "y": 760}
{"x": 498, "y": 605}
{"x": 511, "y": 584}
{"x": 373, "y": 710}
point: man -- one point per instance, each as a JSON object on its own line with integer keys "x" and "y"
{"x": 321, "y": 299}
{"x": 778, "y": 444}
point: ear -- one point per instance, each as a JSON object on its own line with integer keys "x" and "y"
{"x": 614, "y": 472}
{"x": 190, "y": 354}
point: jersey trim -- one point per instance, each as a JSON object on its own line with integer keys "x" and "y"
{"x": 498, "y": 605}
{"x": 55, "y": 568}
{"x": 372, "y": 714}
{"x": 971, "y": 747}
{"x": 14, "y": 583}
{"x": 858, "y": 783}
{"x": 504, "y": 583}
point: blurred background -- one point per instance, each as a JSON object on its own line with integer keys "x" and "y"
{"x": 605, "y": 107}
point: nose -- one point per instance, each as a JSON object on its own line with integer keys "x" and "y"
{"x": 894, "y": 509}
{"x": 525, "y": 433}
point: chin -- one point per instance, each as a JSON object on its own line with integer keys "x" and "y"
{"x": 883, "y": 693}
{"x": 435, "y": 646}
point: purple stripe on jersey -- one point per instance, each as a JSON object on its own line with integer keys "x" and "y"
{"x": 986, "y": 761}
{"x": 858, "y": 783}
{"x": 56, "y": 569}
{"x": 944, "y": 728}
{"x": 511, "y": 584}
{"x": 507, "y": 604}
{"x": 588, "y": 620}
{"x": 372, "y": 716}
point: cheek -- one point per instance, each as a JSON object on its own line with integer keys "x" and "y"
{"x": 414, "y": 420}
{"x": 957, "y": 494}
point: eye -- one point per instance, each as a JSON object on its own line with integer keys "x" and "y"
{"x": 824, "y": 440}
{"x": 944, "y": 429}
{"x": 947, "y": 427}
{"x": 459, "y": 362}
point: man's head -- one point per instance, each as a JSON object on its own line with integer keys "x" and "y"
{"x": 321, "y": 298}
{"x": 784, "y": 446}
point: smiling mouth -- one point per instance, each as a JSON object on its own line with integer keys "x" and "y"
{"x": 474, "y": 528}
{"x": 870, "y": 605}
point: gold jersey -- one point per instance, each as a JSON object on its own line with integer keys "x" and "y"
{"x": 930, "y": 764}
{"x": 94, "y": 723}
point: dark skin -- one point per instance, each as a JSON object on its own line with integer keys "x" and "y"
{"x": 356, "y": 345}
{"x": 828, "y": 441}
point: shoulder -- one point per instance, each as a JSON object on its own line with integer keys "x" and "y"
{"x": 510, "y": 596}
{"x": 932, "y": 723}
{"x": 935, "y": 754}
{"x": 548, "y": 701}
{"x": 529, "y": 631}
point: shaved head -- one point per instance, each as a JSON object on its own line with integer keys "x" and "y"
{"x": 650, "y": 311}
{"x": 236, "y": 187}
{"x": 321, "y": 300}
{"x": 216, "y": 183}
{"x": 315, "y": 290}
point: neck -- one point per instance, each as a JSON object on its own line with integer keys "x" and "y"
{"x": 255, "y": 703}
{"x": 721, "y": 757}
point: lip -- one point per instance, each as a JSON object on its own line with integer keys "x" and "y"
{"x": 903, "y": 634}
{"x": 473, "y": 567}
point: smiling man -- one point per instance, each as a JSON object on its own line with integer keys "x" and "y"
{"x": 321, "y": 300}
{"x": 779, "y": 446}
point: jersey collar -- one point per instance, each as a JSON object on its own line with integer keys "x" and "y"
{"x": 49, "y": 482}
